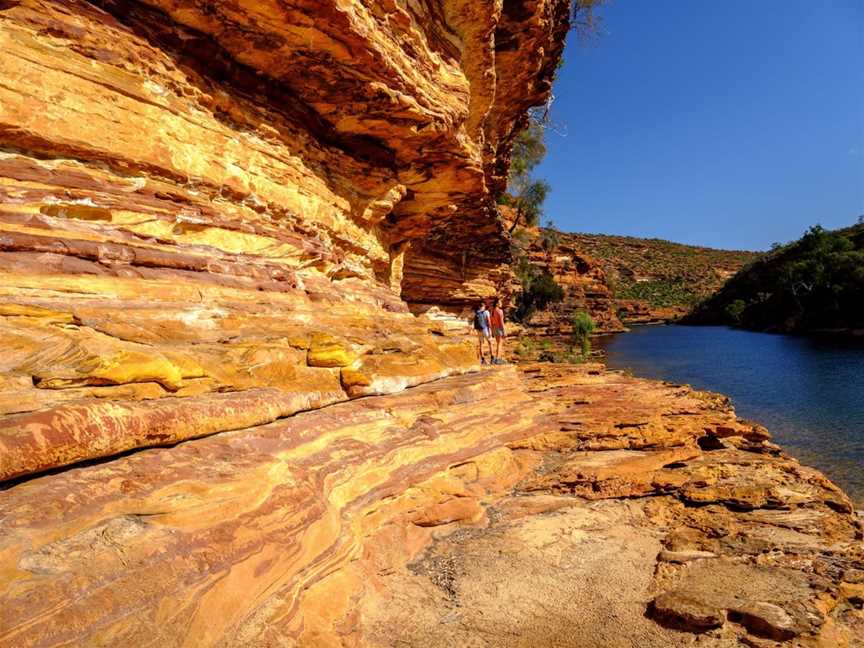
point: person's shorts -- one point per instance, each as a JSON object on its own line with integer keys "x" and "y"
{"x": 483, "y": 334}
{"x": 498, "y": 332}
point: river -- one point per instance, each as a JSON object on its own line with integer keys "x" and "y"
{"x": 809, "y": 392}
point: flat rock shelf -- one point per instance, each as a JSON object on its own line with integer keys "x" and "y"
{"x": 539, "y": 505}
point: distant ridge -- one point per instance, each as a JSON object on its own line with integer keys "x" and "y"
{"x": 667, "y": 276}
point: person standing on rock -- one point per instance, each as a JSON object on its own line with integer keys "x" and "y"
{"x": 481, "y": 325}
{"x": 497, "y": 321}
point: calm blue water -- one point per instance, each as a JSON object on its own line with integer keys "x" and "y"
{"x": 808, "y": 392}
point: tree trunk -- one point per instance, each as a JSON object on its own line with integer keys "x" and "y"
{"x": 515, "y": 220}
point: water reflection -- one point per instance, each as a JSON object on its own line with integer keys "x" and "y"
{"x": 809, "y": 392}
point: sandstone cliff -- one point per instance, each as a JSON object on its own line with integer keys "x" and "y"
{"x": 584, "y": 282}
{"x": 209, "y": 200}
{"x": 213, "y": 219}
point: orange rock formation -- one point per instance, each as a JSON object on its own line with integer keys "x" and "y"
{"x": 222, "y": 425}
{"x": 199, "y": 201}
{"x": 585, "y": 284}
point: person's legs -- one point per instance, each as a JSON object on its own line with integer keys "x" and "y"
{"x": 480, "y": 337}
{"x": 499, "y": 342}
{"x": 488, "y": 335}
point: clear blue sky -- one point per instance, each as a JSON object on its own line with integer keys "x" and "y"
{"x": 731, "y": 124}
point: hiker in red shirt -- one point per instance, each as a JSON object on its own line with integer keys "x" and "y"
{"x": 497, "y": 321}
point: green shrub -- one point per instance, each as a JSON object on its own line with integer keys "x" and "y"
{"x": 816, "y": 282}
{"x": 539, "y": 289}
{"x": 659, "y": 292}
{"x": 526, "y": 194}
{"x": 526, "y": 347}
{"x": 583, "y": 327}
{"x": 735, "y": 311}
{"x": 545, "y": 290}
{"x": 561, "y": 357}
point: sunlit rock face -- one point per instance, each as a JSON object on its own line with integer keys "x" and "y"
{"x": 208, "y": 198}
{"x": 338, "y": 134}
{"x": 585, "y": 285}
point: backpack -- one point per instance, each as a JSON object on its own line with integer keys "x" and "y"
{"x": 479, "y": 320}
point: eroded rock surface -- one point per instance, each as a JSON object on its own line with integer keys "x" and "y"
{"x": 222, "y": 425}
{"x": 225, "y": 539}
{"x": 602, "y": 544}
{"x": 218, "y": 206}
{"x": 551, "y": 505}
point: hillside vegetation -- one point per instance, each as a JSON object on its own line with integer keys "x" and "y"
{"x": 815, "y": 283}
{"x": 662, "y": 273}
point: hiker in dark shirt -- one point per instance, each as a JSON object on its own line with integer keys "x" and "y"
{"x": 481, "y": 326}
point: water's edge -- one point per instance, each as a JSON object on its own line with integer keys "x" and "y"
{"x": 807, "y": 391}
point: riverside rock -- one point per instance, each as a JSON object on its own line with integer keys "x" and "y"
{"x": 452, "y": 504}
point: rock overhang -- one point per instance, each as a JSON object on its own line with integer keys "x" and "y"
{"x": 383, "y": 122}
{"x": 189, "y": 189}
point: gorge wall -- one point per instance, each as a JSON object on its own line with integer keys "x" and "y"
{"x": 222, "y": 425}
{"x": 585, "y": 284}
{"x": 655, "y": 280}
{"x": 586, "y": 287}
{"x": 619, "y": 280}
{"x": 201, "y": 200}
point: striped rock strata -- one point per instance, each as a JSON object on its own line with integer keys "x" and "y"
{"x": 220, "y": 423}
{"x": 208, "y": 211}
{"x": 583, "y": 280}
{"x": 524, "y": 507}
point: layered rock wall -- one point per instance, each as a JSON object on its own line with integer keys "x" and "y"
{"x": 336, "y": 134}
{"x": 229, "y": 198}
{"x": 585, "y": 284}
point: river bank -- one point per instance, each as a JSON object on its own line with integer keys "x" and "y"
{"x": 533, "y": 505}
{"x": 806, "y": 390}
